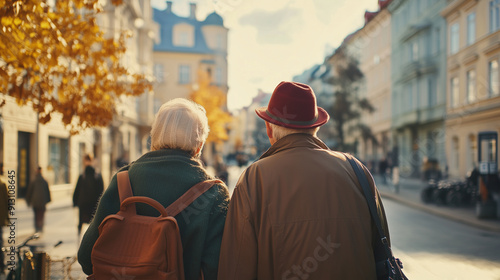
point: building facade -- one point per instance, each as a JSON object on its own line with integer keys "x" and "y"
{"x": 473, "y": 88}
{"x": 372, "y": 46}
{"x": 418, "y": 74}
{"x": 187, "y": 45}
{"x": 24, "y": 143}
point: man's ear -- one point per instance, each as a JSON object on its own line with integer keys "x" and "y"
{"x": 269, "y": 131}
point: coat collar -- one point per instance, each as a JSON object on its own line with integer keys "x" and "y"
{"x": 293, "y": 141}
{"x": 172, "y": 154}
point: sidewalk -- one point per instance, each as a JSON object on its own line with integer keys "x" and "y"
{"x": 409, "y": 194}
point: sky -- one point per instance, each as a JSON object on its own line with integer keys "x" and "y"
{"x": 270, "y": 41}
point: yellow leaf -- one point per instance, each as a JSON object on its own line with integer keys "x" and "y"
{"x": 32, "y": 34}
{"x": 6, "y": 21}
{"x": 17, "y": 21}
{"x": 21, "y": 35}
{"x": 44, "y": 25}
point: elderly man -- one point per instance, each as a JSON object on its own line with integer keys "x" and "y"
{"x": 299, "y": 211}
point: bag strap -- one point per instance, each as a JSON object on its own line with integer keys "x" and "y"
{"x": 190, "y": 196}
{"x": 370, "y": 198}
{"x": 124, "y": 188}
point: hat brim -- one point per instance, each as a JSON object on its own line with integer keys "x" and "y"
{"x": 323, "y": 118}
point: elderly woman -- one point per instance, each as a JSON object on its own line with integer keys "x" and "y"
{"x": 178, "y": 134}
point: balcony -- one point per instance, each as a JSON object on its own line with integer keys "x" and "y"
{"x": 418, "y": 68}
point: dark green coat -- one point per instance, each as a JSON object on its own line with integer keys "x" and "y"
{"x": 165, "y": 175}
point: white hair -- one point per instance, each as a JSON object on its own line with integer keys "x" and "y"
{"x": 179, "y": 124}
{"x": 281, "y": 131}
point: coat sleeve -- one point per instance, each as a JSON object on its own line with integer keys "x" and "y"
{"x": 47, "y": 191}
{"x": 210, "y": 257}
{"x": 29, "y": 193}
{"x": 76, "y": 193}
{"x": 238, "y": 257}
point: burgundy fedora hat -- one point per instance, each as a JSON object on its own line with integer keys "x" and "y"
{"x": 293, "y": 105}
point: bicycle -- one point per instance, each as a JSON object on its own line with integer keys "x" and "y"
{"x": 24, "y": 262}
{"x": 60, "y": 269}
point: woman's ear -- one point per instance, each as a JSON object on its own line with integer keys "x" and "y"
{"x": 198, "y": 150}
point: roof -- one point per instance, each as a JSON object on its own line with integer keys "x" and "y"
{"x": 166, "y": 19}
{"x": 214, "y": 19}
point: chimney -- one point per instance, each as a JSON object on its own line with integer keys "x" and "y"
{"x": 169, "y": 7}
{"x": 192, "y": 10}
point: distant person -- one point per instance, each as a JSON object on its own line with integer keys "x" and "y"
{"x": 4, "y": 214}
{"x": 221, "y": 169}
{"x": 122, "y": 161}
{"x": 89, "y": 188}
{"x": 37, "y": 196}
{"x": 382, "y": 166}
{"x": 299, "y": 208}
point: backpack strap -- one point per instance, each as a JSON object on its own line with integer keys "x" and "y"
{"x": 124, "y": 188}
{"x": 191, "y": 195}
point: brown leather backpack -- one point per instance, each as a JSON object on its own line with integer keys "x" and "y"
{"x": 132, "y": 246}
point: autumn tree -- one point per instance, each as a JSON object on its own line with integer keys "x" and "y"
{"x": 347, "y": 106}
{"x": 213, "y": 99}
{"x": 56, "y": 59}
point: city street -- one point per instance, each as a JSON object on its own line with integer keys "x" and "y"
{"x": 435, "y": 248}
{"x": 431, "y": 247}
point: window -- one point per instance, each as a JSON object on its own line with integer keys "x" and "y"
{"x": 494, "y": 15}
{"x": 409, "y": 98}
{"x": 471, "y": 28}
{"x": 183, "y": 35}
{"x": 218, "y": 75}
{"x": 184, "y": 74}
{"x": 183, "y": 39}
{"x": 432, "y": 98}
{"x": 414, "y": 51}
{"x": 454, "y": 92}
{"x": 493, "y": 85}
{"x": 454, "y": 38}
{"x": 438, "y": 39}
{"x": 159, "y": 73}
{"x": 471, "y": 153}
{"x": 471, "y": 86}
{"x": 455, "y": 154}
{"x": 57, "y": 171}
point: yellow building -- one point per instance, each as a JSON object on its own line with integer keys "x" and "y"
{"x": 372, "y": 46}
{"x": 187, "y": 46}
{"x": 473, "y": 79}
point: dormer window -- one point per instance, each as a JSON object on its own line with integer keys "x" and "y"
{"x": 183, "y": 35}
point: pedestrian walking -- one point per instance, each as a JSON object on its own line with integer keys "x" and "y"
{"x": 221, "y": 169}
{"x": 298, "y": 212}
{"x": 4, "y": 214}
{"x": 37, "y": 196}
{"x": 89, "y": 188}
{"x": 171, "y": 168}
{"x": 382, "y": 166}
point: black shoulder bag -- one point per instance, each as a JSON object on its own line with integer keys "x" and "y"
{"x": 388, "y": 267}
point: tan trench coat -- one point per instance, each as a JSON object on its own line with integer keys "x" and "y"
{"x": 298, "y": 213}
